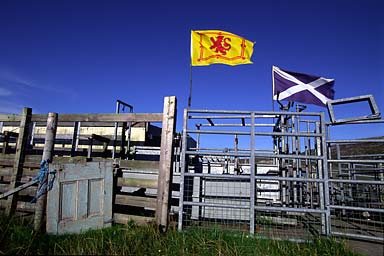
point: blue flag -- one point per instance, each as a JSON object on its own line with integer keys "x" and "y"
{"x": 298, "y": 87}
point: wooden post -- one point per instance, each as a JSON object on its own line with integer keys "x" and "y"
{"x": 5, "y": 142}
{"x": 164, "y": 190}
{"x": 123, "y": 141}
{"x": 75, "y": 138}
{"x": 22, "y": 141}
{"x": 47, "y": 155}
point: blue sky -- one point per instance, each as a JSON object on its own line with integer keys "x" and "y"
{"x": 80, "y": 56}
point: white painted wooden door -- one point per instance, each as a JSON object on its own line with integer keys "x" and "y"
{"x": 81, "y": 197}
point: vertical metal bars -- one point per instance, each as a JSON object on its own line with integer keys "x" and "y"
{"x": 276, "y": 184}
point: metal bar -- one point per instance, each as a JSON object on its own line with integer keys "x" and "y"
{"x": 216, "y": 205}
{"x": 352, "y": 208}
{"x": 183, "y": 167}
{"x": 231, "y": 150}
{"x": 189, "y": 152}
{"x": 320, "y": 173}
{"x": 367, "y": 121}
{"x": 259, "y": 177}
{"x": 218, "y": 132}
{"x": 237, "y": 125}
{"x": 369, "y": 182}
{"x": 356, "y": 141}
{"x": 367, "y": 155}
{"x": 295, "y": 163}
{"x": 339, "y": 170}
{"x": 325, "y": 171}
{"x": 269, "y": 114}
{"x": 358, "y": 161}
{"x": 298, "y": 134}
{"x": 373, "y": 238}
{"x": 258, "y": 155}
{"x": 218, "y": 176}
{"x": 283, "y": 149}
{"x": 253, "y": 187}
{"x": 220, "y": 117}
{"x": 210, "y": 122}
{"x": 287, "y": 209}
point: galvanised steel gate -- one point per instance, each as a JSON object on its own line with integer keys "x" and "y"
{"x": 356, "y": 184}
{"x": 261, "y": 172}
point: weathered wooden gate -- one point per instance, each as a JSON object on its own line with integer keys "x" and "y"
{"x": 73, "y": 138}
{"x": 81, "y": 197}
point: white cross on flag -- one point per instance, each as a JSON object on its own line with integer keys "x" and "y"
{"x": 293, "y": 86}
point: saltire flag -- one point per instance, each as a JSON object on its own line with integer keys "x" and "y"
{"x": 215, "y": 46}
{"x": 304, "y": 88}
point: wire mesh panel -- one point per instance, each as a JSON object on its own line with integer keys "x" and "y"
{"x": 357, "y": 188}
{"x": 260, "y": 172}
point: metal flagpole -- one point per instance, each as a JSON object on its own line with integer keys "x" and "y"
{"x": 190, "y": 86}
{"x": 273, "y": 88}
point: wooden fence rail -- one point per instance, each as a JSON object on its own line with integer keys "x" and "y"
{"x": 20, "y": 158}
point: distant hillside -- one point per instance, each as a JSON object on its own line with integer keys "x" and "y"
{"x": 357, "y": 149}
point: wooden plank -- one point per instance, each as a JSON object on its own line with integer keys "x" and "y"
{"x": 29, "y": 160}
{"x": 22, "y": 141}
{"x": 22, "y": 179}
{"x": 10, "y": 118}
{"x": 125, "y": 117}
{"x": 125, "y": 219}
{"x": 33, "y": 161}
{"x": 138, "y": 201}
{"x": 47, "y": 156}
{"x": 164, "y": 190}
{"x": 136, "y": 183}
{"x": 21, "y": 206}
{"x": 17, "y": 189}
{"x": 30, "y": 191}
{"x": 75, "y": 138}
{"x": 69, "y": 123}
{"x": 7, "y": 171}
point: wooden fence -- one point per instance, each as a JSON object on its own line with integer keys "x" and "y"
{"x": 138, "y": 197}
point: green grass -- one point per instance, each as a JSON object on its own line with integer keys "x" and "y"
{"x": 17, "y": 237}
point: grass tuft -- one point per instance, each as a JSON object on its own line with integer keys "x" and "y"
{"x": 18, "y": 237}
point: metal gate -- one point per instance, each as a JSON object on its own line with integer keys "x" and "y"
{"x": 260, "y": 172}
{"x": 356, "y": 172}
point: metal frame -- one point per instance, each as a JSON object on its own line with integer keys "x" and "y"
{"x": 346, "y": 164}
{"x": 303, "y": 145}
{"x": 375, "y": 113}
{"x": 253, "y": 153}
{"x": 120, "y": 103}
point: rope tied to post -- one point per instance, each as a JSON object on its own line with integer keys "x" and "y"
{"x": 42, "y": 176}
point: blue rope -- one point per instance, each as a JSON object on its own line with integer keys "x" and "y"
{"x": 41, "y": 176}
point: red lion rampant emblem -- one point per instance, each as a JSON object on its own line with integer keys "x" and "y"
{"x": 221, "y": 44}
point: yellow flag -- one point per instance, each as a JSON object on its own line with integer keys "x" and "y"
{"x": 215, "y": 46}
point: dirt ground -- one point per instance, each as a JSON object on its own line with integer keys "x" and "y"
{"x": 366, "y": 248}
